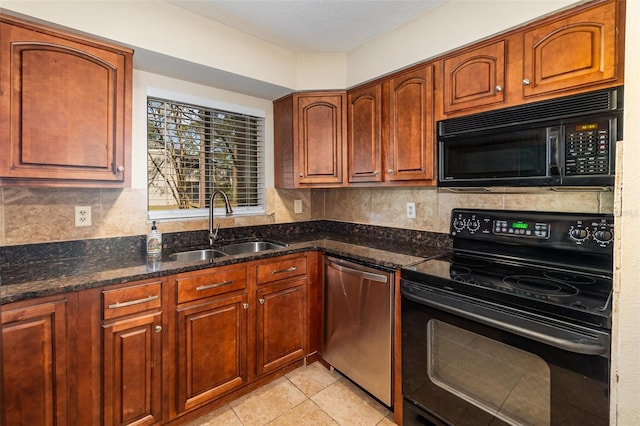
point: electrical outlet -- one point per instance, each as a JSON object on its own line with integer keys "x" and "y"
{"x": 411, "y": 210}
{"x": 83, "y": 215}
{"x": 297, "y": 206}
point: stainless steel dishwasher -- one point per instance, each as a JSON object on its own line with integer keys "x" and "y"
{"x": 358, "y": 324}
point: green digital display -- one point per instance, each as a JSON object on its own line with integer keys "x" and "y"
{"x": 519, "y": 225}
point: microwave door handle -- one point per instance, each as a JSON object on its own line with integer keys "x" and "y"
{"x": 553, "y": 144}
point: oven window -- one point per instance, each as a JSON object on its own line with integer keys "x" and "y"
{"x": 508, "y": 383}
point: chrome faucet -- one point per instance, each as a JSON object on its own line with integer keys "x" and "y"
{"x": 213, "y": 234}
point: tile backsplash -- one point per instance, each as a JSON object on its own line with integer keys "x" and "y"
{"x": 35, "y": 215}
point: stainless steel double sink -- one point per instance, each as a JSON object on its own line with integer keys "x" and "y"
{"x": 247, "y": 247}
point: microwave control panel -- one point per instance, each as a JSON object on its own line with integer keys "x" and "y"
{"x": 587, "y": 148}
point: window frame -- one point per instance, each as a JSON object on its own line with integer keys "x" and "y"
{"x": 199, "y": 213}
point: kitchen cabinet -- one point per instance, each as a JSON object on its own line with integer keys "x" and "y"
{"x": 212, "y": 318}
{"x": 474, "y": 78}
{"x": 310, "y": 140}
{"x": 570, "y": 52}
{"x": 132, "y": 354}
{"x": 364, "y": 106}
{"x": 36, "y": 362}
{"x": 408, "y": 117}
{"x": 574, "y": 52}
{"x": 391, "y": 130}
{"x": 281, "y": 317}
{"x": 65, "y": 108}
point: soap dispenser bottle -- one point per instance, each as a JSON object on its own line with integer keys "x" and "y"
{"x": 154, "y": 240}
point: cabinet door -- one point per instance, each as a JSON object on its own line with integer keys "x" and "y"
{"x": 132, "y": 367}
{"x": 34, "y": 365}
{"x": 64, "y": 107}
{"x": 410, "y": 148}
{"x": 365, "y": 134}
{"x": 475, "y": 78}
{"x": 212, "y": 349}
{"x": 578, "y": 51}
{"x": 319, "y": 137}
{"x": 281, "y": 324}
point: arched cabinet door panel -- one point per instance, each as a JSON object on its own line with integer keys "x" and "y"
{"x": 65, "y": 108}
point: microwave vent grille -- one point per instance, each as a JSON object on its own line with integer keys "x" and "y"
{"x": 582, "y": 104}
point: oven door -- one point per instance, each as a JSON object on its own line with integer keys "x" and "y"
{"x": 488, "y": 368}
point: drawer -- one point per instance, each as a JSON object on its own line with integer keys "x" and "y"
{"x": 280, "y": 268}
{"x": 130, "y": 300}
{"x": 212, "y": 283}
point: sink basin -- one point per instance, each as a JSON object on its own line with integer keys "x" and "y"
{"x": 194, "y": 255}
{"x": 250, "y": 247}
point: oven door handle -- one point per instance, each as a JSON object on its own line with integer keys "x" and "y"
{"x": 544, "y": 330}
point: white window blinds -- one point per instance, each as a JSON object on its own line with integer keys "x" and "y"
{"x": 194, "y": 150}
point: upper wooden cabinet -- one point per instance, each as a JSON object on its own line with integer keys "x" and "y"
{"x": 572, "y": 52}
{"x": 576, "y": 51}
{"x": 65, "y": 108}
{"x": 408, "y": 118}
{"x": 364, "y": 146}
{"x": 474, "y": 78}
{"x": 310, "y": 134}
{"x": 390, "y": 138}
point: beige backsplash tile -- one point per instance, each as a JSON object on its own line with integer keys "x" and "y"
{"x": 348, "y": 205}
{"x": 124, "y": 212}
{"x": 551, "y": 201}
{"x": 389, "y": 207}
{"x": 47, "y": 214}
{"x": 450, "y": 200}
{"x": 317, "y": 204}
{"x": 285, "y": 205}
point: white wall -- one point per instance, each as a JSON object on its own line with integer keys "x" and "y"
{"x": 626, "y": 360}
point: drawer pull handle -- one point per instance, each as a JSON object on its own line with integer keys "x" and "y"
{"x": 132, "y": 302}
{"x": 282, "y": 271}
{"x": 210, "y": 286}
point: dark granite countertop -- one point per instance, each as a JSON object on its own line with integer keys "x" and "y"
{"x": 41, "y": 270}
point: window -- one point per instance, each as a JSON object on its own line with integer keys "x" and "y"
{"x": 194, "y": 150}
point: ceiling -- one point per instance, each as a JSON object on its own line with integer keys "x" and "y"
{"x": 312, "y": 26}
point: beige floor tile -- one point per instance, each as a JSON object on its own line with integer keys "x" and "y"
{"x": 387, "y": 421}
{"x": 268, "y": 402}
{"x": 348, "y": 405}
{"x": 312, "y": 378}
{"x": 307, "y": 414}
{"x": 223, "y": 416}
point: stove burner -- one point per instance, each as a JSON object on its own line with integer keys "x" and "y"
{"x": 541, "y": 285}
{"x": 570, "y": 278}
{"x": 456, "y": 270}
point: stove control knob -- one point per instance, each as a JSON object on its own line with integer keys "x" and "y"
{"x": 578, "y": 234}
{"x": 459, "y": 224}
{"x": 603, "y": 237}
{"x": 473, "y": 225}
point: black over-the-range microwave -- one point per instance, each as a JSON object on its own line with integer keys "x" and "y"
{"x": 567, "y": 141}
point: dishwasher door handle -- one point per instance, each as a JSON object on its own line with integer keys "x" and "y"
{"x": 362, "y": 274}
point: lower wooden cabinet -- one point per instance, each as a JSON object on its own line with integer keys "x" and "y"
{"x": 281, "y": 332}
{"x": 35, "y": 379}
{"x": 132, "y": 354}
{"x": 148, "y": 352}
{"x": 212, "y": 349}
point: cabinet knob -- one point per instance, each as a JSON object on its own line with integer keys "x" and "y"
{"x": 120, "y": 169}
{"x": 261, "y": 300}
{"x": 158, "y": 328}
{"x": 498, "y": 88}
{"x": 375, "y": 173}
{"x": 245, "y": 306}
{"x": 301, "y": 175}
{"x": 389, "y": 171}
{"x": 526, "y": 82}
